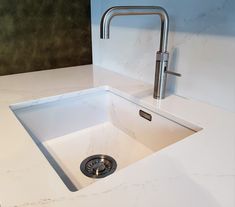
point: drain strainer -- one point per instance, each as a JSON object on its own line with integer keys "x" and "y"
{"x": 98, "y": 166}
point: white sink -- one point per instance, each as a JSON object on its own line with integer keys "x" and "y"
{"x": 72, "y": 127}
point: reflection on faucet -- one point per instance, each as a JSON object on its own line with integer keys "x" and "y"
{"x": 162, "y": 55}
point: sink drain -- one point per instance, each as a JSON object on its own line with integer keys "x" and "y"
{"x": 98, "y": 166}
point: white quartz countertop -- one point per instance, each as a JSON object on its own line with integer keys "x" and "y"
{"x": 197, "y": 171}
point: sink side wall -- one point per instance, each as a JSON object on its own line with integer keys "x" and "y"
{"x": 155, "y": 134}
{"x": 51, "y": 120}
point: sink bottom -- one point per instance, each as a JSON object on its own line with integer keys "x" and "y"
{"x": 70, "y": 150}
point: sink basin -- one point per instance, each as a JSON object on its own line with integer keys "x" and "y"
{"x": 102, "y": 121}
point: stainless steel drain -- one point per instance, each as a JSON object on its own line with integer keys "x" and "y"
{"x": 98, "y": 166}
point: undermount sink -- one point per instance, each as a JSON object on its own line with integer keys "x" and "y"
{"x": 72, "y": 127}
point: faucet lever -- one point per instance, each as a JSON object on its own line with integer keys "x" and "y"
{"x": 164, "y": 57}
{"x": 173, "y": 73}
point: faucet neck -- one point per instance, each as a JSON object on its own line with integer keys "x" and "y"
{"x": 136, "y": 10}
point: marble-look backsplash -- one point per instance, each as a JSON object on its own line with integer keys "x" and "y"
{"x": 201, "y": 46}
{"x": 44, "y": 34}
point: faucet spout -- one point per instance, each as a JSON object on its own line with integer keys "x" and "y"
{"x": 162, "y": 55}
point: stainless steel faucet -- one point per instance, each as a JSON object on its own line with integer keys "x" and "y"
{"x": 162, "y": 55}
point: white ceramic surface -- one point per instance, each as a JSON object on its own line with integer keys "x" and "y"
{"x": 98, "y": 121}
{"x": 196, "y": 171}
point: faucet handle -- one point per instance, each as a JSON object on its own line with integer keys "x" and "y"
{"x": 173, "y": 73}
{"x": 163, "y": 57}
